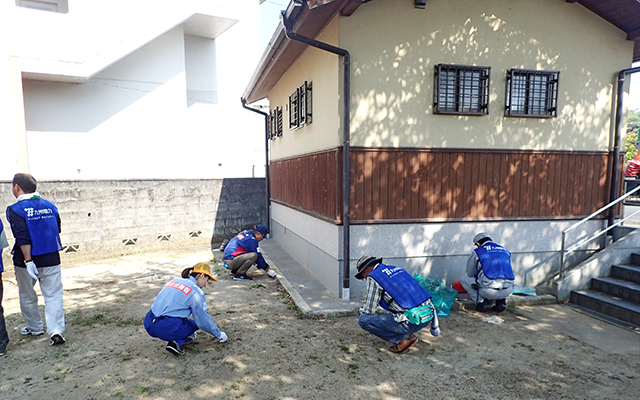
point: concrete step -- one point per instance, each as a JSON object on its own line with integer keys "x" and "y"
{"x": 607, "y": 304}
{"x": 626, "y": 272}
{"x": 617, "y": 287}
{"x": 635, "y": 258}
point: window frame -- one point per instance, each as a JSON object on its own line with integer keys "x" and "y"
{"x": 300, "y": 106}
{"x": 530, "y": 108}
{"x": 467, "y": 90}
{"x": 274, "y": 126}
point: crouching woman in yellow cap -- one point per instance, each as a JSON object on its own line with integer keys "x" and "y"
{"x": 179, "y": 299}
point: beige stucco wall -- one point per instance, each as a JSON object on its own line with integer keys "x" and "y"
{"x": 394, "y": 48}
{"x": 324, "y": 70}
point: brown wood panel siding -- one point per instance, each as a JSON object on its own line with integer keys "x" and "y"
{"x": 416, "y": 184}
{"x": 445, "y": 184}
{"x": 311, "y": 183}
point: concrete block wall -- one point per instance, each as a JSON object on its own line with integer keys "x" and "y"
{"x": 106, "y": 218}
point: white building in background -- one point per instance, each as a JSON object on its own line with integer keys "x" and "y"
{"x": 122, "y": 89}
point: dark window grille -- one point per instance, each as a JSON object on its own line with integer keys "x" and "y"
{"x": 278, "y": 121}
{"x": 300, "y": 105}
{"x": 461, "y": 90}
{"x": 294, "y": 100}
{"x": 531, "y": 93}
{"x": 274, "y": 125}
{"x": 309, "y": 102}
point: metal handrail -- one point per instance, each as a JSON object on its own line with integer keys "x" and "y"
{"x": 602, "y": 232}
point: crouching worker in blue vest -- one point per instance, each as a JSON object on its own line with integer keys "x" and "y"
{"x": 409, "y": 305}
{"x": 179, "y": 299}
{"x": 243, "y": 251}
{"x": 489, "y": 276}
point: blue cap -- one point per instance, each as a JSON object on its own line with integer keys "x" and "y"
{"x": 262, "y": 229}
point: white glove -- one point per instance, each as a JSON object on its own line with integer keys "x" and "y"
{"x": 435, "y": 328}
{"x": 271, "y": 273}
{"x": 435, "y": 331}
{"x": 223, "y": 337}
{"x": 32, "y": 270}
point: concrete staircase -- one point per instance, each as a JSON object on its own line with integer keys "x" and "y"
{"x": 616, "y": 296}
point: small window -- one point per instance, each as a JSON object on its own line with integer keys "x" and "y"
{"x": 294, "y": 105}
{"x": 300, "y": 105}
{"x": 461, "y": 90}
{"x": 531, "y": 93}
{"x": 275, "y": 123}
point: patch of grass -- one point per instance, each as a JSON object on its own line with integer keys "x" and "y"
{"x": 127, "y": 355}
{"x": 90, "y": 321}
{"x": 258, "y": 286}
{"x": 127, "y": 322}
{"x": 142, "y": 391}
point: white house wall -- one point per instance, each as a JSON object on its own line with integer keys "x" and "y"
{"x": 201, "y": 74}
{"x": 134, "y": 119}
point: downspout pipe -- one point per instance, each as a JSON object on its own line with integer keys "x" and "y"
{"x": 346, "y": 167}
{"x": 615, "y": 163}
{"x": 266, "y": 157}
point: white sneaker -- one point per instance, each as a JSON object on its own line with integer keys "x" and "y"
{"x": 57, "y": 339}
{"x": 26, "y": 331}
{"x": 271, "y": 273}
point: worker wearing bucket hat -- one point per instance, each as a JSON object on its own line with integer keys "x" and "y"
{"x": 489, "y": 276}
{"x": 409, "y": 305}
{"x": 178, "y": 300}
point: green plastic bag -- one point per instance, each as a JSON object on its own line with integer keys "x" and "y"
{"x": 419, "y": 315}
{"x": 442, "y": 296}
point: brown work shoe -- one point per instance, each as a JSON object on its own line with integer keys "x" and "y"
{"x": 404, "y": 345}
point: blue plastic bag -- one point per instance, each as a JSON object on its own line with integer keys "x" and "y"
{"x": 524, "y": 290}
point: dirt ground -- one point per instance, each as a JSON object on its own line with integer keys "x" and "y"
{"x": 272, "y": 353}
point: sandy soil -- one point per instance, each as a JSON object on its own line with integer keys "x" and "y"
{"x": 274, "y": 354}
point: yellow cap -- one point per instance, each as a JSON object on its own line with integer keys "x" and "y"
{"x": 204, "y": 268}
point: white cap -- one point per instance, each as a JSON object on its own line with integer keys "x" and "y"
{"x": 480, "y": 236}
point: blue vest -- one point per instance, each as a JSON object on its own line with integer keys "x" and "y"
{"x": 495, "y": 260}
{"x": 400, "y": 285}
{"x": 41, "y": 217}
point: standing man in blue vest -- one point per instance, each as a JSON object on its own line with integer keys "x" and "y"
{"x": 489, "y": 277}
{"x": 409, "y": 305}
{"x": 35, "y": 224}
{"x": 4, "y": 336}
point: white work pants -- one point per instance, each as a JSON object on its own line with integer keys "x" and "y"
{"x": 488, "y": 289}
{"x": 50, "y": 280}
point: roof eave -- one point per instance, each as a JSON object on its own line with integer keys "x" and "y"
{"x": 281, "y": 53}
